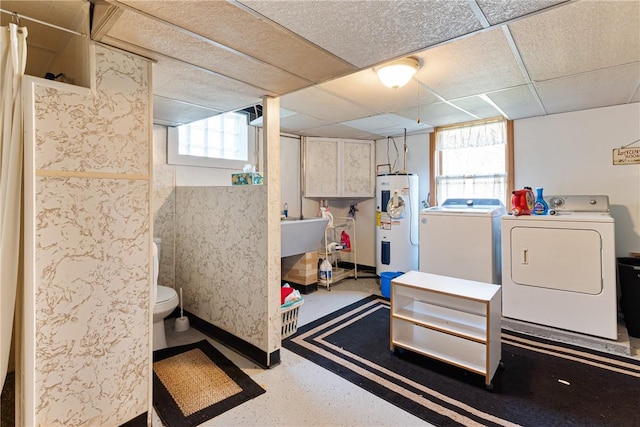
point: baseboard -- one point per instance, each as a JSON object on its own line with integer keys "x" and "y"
{"x": 261, "y": 358}
{"x": 139, "y": 421}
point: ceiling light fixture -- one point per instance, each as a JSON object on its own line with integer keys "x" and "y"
{"x": 398, "y": 73}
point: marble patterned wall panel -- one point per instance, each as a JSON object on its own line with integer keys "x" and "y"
{"x": 92, "y": 300}
{"x": 108, "y": 132}
{"x": 221, "y": 258}
{"x": 92, "y": 273}
{"x": 164, "y": 199}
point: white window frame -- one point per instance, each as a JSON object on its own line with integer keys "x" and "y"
{"x": 175, "y": 158}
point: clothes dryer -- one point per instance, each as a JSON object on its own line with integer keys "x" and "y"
{"x": 559, "y": 270}
{"x": 461, "y": 238}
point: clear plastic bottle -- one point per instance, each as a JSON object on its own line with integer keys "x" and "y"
{"x": 286, "y": 210}
{"x": 540, "y": 206}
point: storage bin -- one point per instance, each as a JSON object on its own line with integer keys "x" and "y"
{"x": 290, "y": 313}
{"x": 629, "y": 275}
{"x": 385, "y": 282}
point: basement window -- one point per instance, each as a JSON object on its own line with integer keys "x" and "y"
{"x": 220, "y": 141}
{"x": 472, "y": 160}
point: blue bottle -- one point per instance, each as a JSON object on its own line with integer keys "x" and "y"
{"x": 540, "y": 207}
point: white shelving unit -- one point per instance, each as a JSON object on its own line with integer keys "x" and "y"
{"x": 453, "y": 320}
{"x": 333, "y": 234}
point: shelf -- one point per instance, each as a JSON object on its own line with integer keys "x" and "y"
{"x": 446, "y": 318}
{"x": 449, "y": 325}
{"x": 452, "y": 320}
{"x": 333, "y": 234}
{"x": 457, "y": 351}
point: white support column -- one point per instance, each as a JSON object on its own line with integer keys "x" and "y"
{"x": 271, "y": 147}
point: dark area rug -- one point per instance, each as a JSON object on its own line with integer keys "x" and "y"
{"x": 195, "y": 382}
{"x": 543, "y": 383}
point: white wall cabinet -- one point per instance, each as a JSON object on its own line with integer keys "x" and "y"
{"x": 339, "y": 168}
{"x": 453, "y": 320}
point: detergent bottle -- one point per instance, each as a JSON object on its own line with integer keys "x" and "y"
{"x": 522, "y": 201}
{"x": 540, "y": 207}
{"x": 345, "y": 241}
{"x": 324, "y": 212}
{"x": 326, "y": 272}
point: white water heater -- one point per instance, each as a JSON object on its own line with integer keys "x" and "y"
{"x": 397, "y": 219}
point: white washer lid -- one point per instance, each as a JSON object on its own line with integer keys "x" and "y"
{"x": 165, "y": 293}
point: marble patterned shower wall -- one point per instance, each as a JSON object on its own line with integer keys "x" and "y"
{"x": 221, "y": 259}
{"x": 92, "y": 239}
{"x": 164, "y": 204}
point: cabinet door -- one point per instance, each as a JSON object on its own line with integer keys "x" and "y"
{"x": 557, "y": 258}
{"x": 357, "y": 169}
{"x": 322, "y": 168}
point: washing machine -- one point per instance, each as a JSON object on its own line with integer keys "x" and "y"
{"x": 559, "y": 270}
{"x": 461, "y": 238}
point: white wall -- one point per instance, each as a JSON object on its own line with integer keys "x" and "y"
{"x": 290, "y": 175}
{"x": 388, "y": 151}
{"x": 571, "y": 153}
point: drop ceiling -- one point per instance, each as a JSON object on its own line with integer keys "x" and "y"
{"x": 480, "y": 58}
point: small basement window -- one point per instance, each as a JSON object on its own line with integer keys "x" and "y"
{"x": 220, "y": 141}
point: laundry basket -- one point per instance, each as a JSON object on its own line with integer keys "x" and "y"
{"x": 290, "y": 318}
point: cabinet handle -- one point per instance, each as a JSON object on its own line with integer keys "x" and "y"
{"x": 525, "y": 256}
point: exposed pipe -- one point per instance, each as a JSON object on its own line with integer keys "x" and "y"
{"x": 404, "y": 153}
{"x": 303, "y": 170}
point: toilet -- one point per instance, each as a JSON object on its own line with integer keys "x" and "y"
{"x": 166, "y": 301}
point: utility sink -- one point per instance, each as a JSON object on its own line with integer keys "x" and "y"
{"x": 299, "y": 236}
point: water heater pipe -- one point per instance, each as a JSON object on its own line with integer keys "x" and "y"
{"x": 404, "y": 152}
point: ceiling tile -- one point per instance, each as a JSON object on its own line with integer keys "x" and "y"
{"x": 300, "y": 122}
{"x": 152, "y": 35}
{"x": 590, "y": 90}
{"x": 366, "y": 33}
{"x": 324, "y": 106}
{"x": 477, "y": 106}
{"x": 246, "y": 33}
{"x": 205, "y": 88}
{"x": 383, "y": 123}
{"x": 477, "y": 64}
{"x": 339, "y": 131}
{"x": 389, "y": 125}
{"x": 177, "y": 112}
{"x": 365, "y": 88}
{"x": 517, "y": 103}
{"x": 437, "y": 114}
{"x": 579, "y": 37}
{"x": 504, "y": 10}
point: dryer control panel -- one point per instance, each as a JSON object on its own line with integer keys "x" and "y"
{"x": 577, "y": 203}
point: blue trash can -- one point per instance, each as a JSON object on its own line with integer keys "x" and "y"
{"x": 385, "y": 282}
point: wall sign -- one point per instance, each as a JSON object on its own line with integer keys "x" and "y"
{"x": 626, "y": 156}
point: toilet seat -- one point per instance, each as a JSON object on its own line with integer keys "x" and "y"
{"x": 165, "y": 293}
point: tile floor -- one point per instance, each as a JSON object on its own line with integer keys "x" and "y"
{"x": 300, "y": 393}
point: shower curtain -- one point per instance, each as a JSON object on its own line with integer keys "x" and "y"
{"x": 13, "y": 43}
